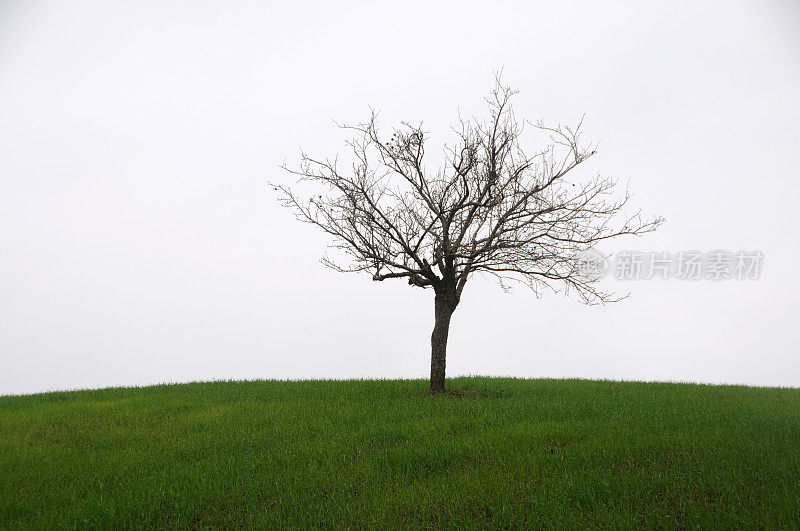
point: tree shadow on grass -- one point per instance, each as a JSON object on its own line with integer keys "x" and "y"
{"x": 458, "y": 394}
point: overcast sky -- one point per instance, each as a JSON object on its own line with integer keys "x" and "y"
{"x": 139, "y": 242}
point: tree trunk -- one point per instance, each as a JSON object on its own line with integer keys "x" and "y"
{"x": 444, "y": 307}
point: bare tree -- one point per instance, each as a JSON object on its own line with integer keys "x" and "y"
{"x": 492, "y": 209}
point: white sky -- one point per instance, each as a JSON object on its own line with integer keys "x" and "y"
{"x": 140, "y": 244}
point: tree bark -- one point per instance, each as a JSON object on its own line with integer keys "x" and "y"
{"x": 444, "y": 307}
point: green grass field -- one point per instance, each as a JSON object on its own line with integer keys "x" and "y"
{"x": 504, "y": 453}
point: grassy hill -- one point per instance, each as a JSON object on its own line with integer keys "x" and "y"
{"x": 504, "y": 452}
